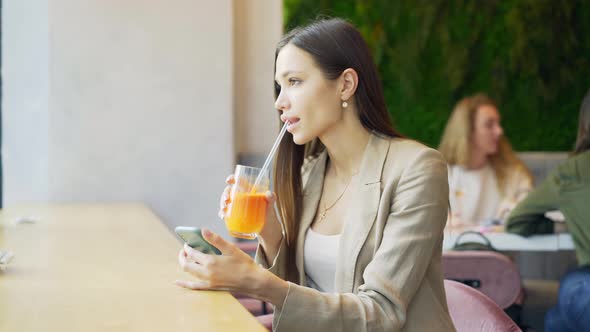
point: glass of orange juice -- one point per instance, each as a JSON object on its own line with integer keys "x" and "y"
{"x": 246, "y": 211}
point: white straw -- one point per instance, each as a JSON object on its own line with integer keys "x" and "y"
{"x": 270, "y": 156}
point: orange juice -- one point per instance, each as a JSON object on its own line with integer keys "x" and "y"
{"x": 246, "y": 214}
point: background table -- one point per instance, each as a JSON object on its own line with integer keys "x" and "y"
{"x": 514, "y": 242}
{"x": 103, "y": 268}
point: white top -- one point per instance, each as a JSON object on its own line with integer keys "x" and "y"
{"x": 474, "y": 194}
{"x": 319, "y": 256}
{"x": 476, "y": 198}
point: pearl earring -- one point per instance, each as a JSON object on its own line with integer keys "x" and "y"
{"x": 344, "y": 104}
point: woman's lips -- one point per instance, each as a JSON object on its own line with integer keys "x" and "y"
{"x": 292, "y": 125}
{"x": 289, "y": 118}
{"x": 293, "y": 121}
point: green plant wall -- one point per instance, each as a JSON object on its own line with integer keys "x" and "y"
{"x": 532, "y": 56}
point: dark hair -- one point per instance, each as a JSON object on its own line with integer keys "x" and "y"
{"x": 583, "y": 140}
{"x": 335, "y": 45}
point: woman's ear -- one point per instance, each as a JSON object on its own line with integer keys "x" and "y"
{"x": 349, "y": 82}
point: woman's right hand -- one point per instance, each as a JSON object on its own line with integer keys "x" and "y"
{"x": 271, "y": 233}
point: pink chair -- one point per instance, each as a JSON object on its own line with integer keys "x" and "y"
{"x": 248, "y": 247}
{"x": 472, "y": 311}
{"x": 266, "y": 321}
{"x": 490, "y": 272}
{"x": 254, "y": 306}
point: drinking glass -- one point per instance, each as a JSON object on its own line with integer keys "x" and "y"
{"x": 246, "y": 211}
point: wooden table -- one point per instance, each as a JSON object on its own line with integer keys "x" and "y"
{"x": 103, "y": 268}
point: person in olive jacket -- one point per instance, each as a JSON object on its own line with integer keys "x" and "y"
{"x": 566, "y": 189}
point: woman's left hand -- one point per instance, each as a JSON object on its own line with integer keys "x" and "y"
{"x": 233, "y": 271}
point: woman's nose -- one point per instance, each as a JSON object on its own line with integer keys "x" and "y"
{"x": 281, "y": 103}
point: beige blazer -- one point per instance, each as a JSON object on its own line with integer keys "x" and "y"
{"x": 388, "y": 270}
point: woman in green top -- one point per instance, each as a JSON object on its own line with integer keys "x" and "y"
{"x": 567, "y": 189}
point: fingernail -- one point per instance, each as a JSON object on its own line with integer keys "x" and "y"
{"x": 206, "y": 232}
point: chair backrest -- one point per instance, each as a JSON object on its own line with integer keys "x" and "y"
{"x": 472, "y": 311}
{"x": 490, "y": 272}
{"x": 540, "y": 163}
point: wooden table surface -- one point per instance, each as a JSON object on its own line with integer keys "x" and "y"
{"x": 102, "y": 267}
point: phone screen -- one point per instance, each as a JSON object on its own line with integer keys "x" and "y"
{"x": 193, "y": 237}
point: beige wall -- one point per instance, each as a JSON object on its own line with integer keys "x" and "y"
{"x": 130, "y": 101}
{"x": 257, "y": 29}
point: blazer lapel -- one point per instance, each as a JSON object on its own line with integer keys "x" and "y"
{"x": 311, "y": 197}
{"x": 361, "y": 213}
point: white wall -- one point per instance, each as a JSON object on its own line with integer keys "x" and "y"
{"x": 131, "y": 101}
{"x": 257, "y": 29}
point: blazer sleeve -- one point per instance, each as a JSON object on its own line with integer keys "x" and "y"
{"x": 278, "y": 264}
{"x": 412, "y": 235}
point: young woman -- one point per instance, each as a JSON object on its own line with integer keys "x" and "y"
{"x": 363, "y": 209}
{"x": 566, "y": 189}
{"x": 486, "y": 179}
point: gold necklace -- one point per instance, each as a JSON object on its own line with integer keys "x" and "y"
{"x": 326, "y": 209}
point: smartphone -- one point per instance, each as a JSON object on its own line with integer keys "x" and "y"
{"x": 193, "y": 237}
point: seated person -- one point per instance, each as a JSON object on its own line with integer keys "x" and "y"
{"x": 359, "y": 247}
{"x": 567, "y": 188}
{"x": 486, "y": 179}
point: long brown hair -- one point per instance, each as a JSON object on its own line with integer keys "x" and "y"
{"x": 455, "y": 143}
{"x": 335, "y": 45}
{"x": 583, "y": 140}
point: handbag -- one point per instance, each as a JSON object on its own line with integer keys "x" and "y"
{"x": 473, "y": 245}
